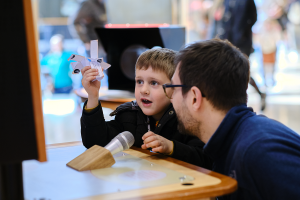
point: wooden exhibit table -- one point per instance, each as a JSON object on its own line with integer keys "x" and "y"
{"x": 137, "y": 174}
{"x": 109, "y": 98}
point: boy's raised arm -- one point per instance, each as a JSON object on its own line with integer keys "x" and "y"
{"x": 90, "y": 86}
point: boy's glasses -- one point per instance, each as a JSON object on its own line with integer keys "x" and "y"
{"x": 169, "y": 89}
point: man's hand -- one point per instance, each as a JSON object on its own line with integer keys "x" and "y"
{"x": 157, "y": 143}
{"x": 91, "y": 87}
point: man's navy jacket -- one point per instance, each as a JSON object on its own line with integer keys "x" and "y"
{"x": 262, "y": 154}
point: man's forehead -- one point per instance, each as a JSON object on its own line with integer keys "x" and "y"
{"x": 175, "y": 78}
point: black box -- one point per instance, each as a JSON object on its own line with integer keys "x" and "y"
{"x": 124, "y": 45}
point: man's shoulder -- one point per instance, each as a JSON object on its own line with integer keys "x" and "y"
{"x": 259, "y": 132}
{"x": 258, "y": 124}
{"x": 262, "y": 135}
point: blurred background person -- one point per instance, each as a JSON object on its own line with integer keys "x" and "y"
{"x": 91, "y": 14}
{"x": 268, "y": 37}
{"x": 56, "y": 65}
{"x": 293, "y": 26}
{"x": 238, "y": 19}
{"x": 277, "y": 10}
{"x": 215, "y": 16}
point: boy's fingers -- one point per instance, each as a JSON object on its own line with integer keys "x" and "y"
{"x": 89, "y": 78}
{"x": 158, "y": 149}
{"x": 150, "y": 139}
{"x": 90, "y": 73}
{"x": 144, "y": 146}
{"x": 148, "y": 134}
{"x": 84, "y": 69}
{"x": 154, "y": 144}
{"x": 90, "y": 70}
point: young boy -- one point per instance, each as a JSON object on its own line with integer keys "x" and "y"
{"x": 151, "y": 118}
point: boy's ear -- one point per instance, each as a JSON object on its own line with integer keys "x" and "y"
{"x": 196, "y": 98}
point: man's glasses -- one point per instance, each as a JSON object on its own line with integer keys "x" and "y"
{"x": 169, "y": 89}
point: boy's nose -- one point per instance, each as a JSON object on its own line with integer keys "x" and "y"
{"x": 145, "y": 90}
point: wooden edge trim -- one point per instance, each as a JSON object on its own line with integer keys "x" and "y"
{"x": 66, "y": 144}
{"x": 35, "y": 80}
{"x": 54, "y": 21}
{"x": 227, "y": 185}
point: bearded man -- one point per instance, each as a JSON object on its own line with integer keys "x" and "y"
{"x": 209, "y": 96}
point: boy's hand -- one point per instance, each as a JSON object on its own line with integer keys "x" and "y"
{"x": 89, "y": 74}
{"x": 157, "y": 143}
{"x": 92, "y": 88}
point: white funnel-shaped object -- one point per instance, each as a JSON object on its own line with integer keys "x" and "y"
{"x": 120, "y": 143}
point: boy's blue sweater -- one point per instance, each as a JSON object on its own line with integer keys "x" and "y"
{"x": 262, "y": 154}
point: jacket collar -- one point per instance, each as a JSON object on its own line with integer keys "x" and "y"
{"x": 165, "y": 120}
{"x": 222, "y": 139}
{"x": 169, "y": 113}
{"x": 125, "y": 106}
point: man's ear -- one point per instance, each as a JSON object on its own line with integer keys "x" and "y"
{"x": 196, "y": 98}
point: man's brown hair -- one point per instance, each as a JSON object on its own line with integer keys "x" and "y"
{"x": 219, "y": 69}
{"x": 160, "y": 59}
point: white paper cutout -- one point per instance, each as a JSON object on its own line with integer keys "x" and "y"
{"x": 94, "y": 61}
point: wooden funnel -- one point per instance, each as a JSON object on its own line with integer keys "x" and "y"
{"x": 96, "y": 157}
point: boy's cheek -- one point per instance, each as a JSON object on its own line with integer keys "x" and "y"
{"x": 138, "y": 103}
{"x": 136, "y": 94}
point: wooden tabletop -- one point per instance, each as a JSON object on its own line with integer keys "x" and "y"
{"x": 206, "y": 184}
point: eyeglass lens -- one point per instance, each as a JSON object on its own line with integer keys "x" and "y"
{"x": 169, "y": 91}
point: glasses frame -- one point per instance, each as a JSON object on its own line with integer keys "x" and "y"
{"x": 169, "y": 85}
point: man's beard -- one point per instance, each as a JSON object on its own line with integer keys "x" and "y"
{"x": 187, "y": 124}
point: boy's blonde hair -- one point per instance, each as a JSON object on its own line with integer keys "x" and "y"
{"x": 160, "y": 59}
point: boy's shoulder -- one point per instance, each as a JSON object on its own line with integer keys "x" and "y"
{"x": 125, "y": 107}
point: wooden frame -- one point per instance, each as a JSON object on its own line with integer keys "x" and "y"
{"x": 35, "y": 79}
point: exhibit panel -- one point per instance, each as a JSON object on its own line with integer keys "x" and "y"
{"x": 137, "y": 173}
{"x": 22, "y": 136}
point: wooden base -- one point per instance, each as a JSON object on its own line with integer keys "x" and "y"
{"x": 96, "y": 157}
